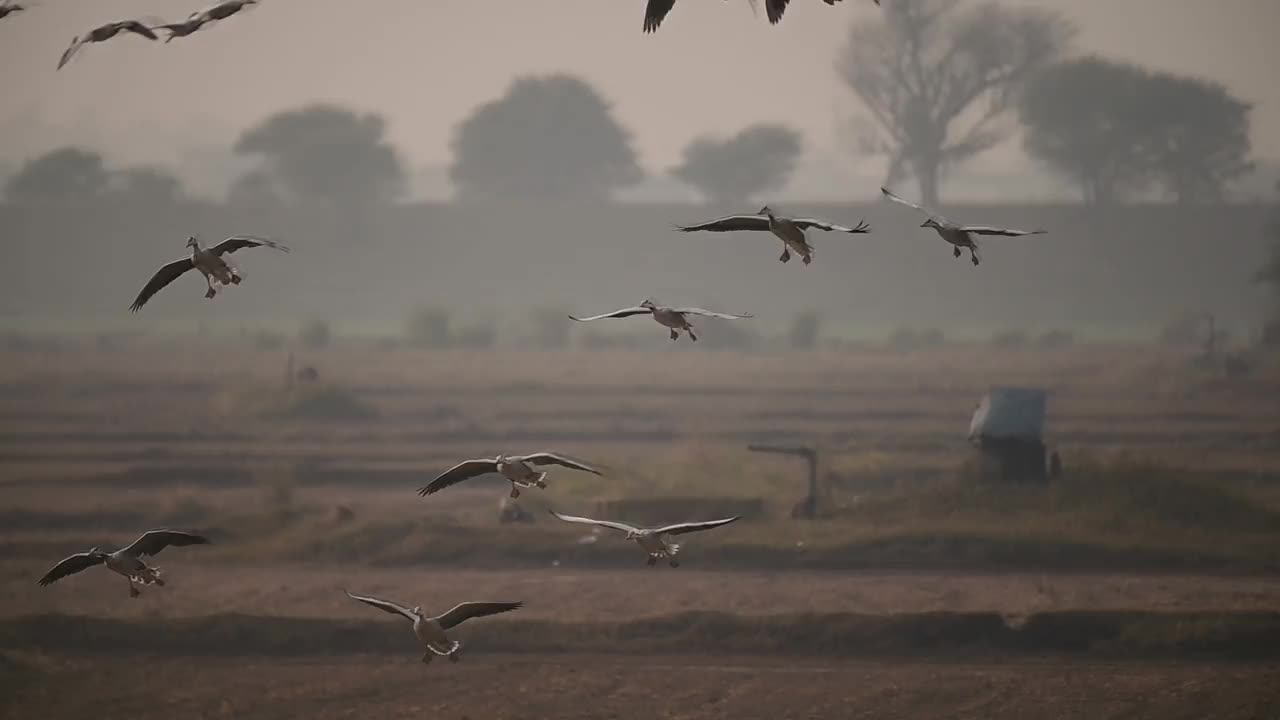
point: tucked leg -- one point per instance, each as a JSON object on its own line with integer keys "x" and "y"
{"x": 515, "y": 491}
{"x": 653, "y": 560}
{"x": 956, "y": 251}
{"x": 674, "y": 562}
{"x": 674, "y": 335}
{"x": 691, "y": 335}
{"x": 541, "y": 481}
{"x": 807, "y": 259}
{"x": 133, "y": 590}
{"x": 786, "y": 255}
{"x": 426, "y": 658}
{"x": 974, "y": 257}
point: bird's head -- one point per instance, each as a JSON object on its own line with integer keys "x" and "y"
{"x": 649, "y": 303}
{"x": 766, "y": 211}
{"x": 96, "y": 551}
{"x": 192, "y": 242}
{"x": 417, "y": 609}
{"x": 930, "y": 223}
{"x": 633, "y": 534}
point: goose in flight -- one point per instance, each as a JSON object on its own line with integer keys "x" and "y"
{"x": 791, "y": 231}
{"x": 184, "y": 27}
{"x": 656, "y": 10}
{"x": 224, "y": 10}
{"x": 516, "y": 468}
{"x": 126, "y": 561}
{"x": 430, "y": 631}
{"x": 217, "y": 271}
{"x": 960, "y": 236}
{"x": 8, "y": 8}
{"x": 102, "y": 34}
{"x": 674, "y": 319}
{"x": 652, "y": 540}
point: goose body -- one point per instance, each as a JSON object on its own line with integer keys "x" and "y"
{"x": 102, "y": 33}
{"x": 518, "y": 469}
{"x": 215, "y": 268}
{"x": 652, "y": 540}
{"x": 674, "y": 319}
{"x": 791, "y": 231}
{"x": 958, "y": 236}
{"x": 126, "y": 561}
{"x": 430, "y": 631}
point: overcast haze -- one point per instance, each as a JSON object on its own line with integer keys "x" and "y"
{"x": 712, "y": 68}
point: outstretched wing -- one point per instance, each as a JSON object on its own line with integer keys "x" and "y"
{"x": 625, "y": 312}
{"x": 153, "y": 541}
{"x": 546, "y": 458}
{"x": 908, "y": 203}
{"x": 467, "y": 610}
{"x": 730, "y": 223}
{"x": 775, "y": 8}
{"x": 456, "y": 474}
{"x": 708, "y": 313}
{"x": 654, "y": 12}
{"x": 602, "y": 523}
{"x": 138, "y": 28}
{"x": 71, "y": 566}
{"x": 163, "y": 276}
{"x": 984, "y": 230}
{"x": 683, "y": 528}
{"x": 806, "y": 223}
{"x": 235, "y": 242}
{"x": 70, "y": 51}
{"x": 383, "y": 605}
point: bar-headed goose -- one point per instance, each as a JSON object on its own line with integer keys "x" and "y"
{"x": 673, "y": 318}
{"x": 102, "y": 34}
{"x": 430, "y": 631}
{"x": 960, "y": 236}
{"x": 218, "y": 271}
{"x": 516, "y": 468}
{"x": 8, "y": 8}
{"x": 183, "y": 28}
{"x": 652, "y": 540}
{"x": 791, "y": 231}
{"x": 126, "y": 561}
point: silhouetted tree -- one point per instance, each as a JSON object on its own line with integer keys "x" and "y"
{"x": 61, "y": 176}
{"x": 1270, "y": 275}
{"x": 548, "y": 137}
{"x": 1201, "y": 140}
{"x": 757, "y": 160}
{"x": 147, "y": 186}
{"x": 328, "y": 154}
{"x": 1116, "y": 129}
{"x": 936, "y": 78}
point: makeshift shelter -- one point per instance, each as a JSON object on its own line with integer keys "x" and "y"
{"x": 1007, "y": 429}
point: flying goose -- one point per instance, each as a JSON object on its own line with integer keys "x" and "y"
{"x": 960, "y": 236}
{"x": 516, "y": 468}
{"x": 656, "y": 10}
{"x": 789, "y": 230}
{"x": 185, "y": 27}
{"x": 128, "y": 560}
{"x": 430, "y": 630}
{"x": 673, "y": 318}
{"x": 653, "y": 540}
{"x": 224, "y": 10}
{"x": 216, "y": 270}
{"x": 104, "y": 33}
{"x": 8, "y": 8}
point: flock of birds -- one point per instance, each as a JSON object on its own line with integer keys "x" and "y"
{"x": 520, "y": 470}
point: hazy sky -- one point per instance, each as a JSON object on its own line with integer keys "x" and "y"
{"x": 424, "y": 64}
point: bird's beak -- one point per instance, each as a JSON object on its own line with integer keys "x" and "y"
{"x": 924, "y": 224}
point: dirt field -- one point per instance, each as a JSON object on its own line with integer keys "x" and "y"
{"x": 1167, "y": 559}
{"x": 623, "y": 688}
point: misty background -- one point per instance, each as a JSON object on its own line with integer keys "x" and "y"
{"x": 446, "y": 189}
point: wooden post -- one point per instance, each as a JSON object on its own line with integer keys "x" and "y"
{"x": 810, "y": 509}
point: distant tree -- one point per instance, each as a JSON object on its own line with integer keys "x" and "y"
{"x": 1270, "y": 275}
{"x": 757, "y": 160}
{"x": 936, "y": 78}
{"x": 548, "y": 137}
{"x": 254, "y": 189}
{"x": 805, "y": 330}
{"x": 1085, "y": 120}
{"x": 65, "y": 175}
{"x": 148, "y": 186}
{"x": 1116, "y": 129}
{"x": 328, "y": 154}
{"x": 1201, "y": 140}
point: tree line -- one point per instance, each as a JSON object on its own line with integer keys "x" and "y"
{"x": 940, "y": 82}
